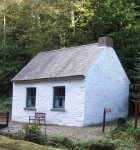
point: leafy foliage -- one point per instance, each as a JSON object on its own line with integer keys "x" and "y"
{"x": 135, "y": 72}
{"x": 61, "y": 141}
{"x": 33, "y": 133}
{"x": 64, "y": 142}
{"x": 5, "y": 105}
{"x": 28, "y": 27}
{"x": 122, "y": 138}
{"x": 10, "y": 144}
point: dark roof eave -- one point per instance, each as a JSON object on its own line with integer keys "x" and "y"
{"x": 51, "y": 78}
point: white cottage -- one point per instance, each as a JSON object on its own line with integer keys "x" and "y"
{"x": 72, "y": 85}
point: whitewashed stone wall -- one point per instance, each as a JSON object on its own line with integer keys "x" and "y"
{"x": 74, "y": 101}
{"x": 106, "y": 86}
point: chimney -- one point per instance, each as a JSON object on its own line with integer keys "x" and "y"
{"x": 105, "y": 41}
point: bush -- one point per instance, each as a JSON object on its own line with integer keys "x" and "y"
{"x": 124, "y": 144}
{"x": 95, "y": 145}
{"x": 64, "y": 142}
{"x": 125, "y": 137}
{"x": 102, "y": 146}
{"x": 122, "y": 138}
{"x": 136, "y": 134}
{"x": 18, "y": 136}
{"x": 33, "y": 133}
{"x": 10, "y": 144}
{"x": 83, "y": 145}
{"x": 61, "y": 141}
{"x": 5, "y": 104}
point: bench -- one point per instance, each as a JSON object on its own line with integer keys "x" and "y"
{"x": 39, "y": 117}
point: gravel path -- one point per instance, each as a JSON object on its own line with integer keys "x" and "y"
{"x": 77, "y": 133}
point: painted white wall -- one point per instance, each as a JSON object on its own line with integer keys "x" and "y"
{"x": 106, "y": 86}
{"x": 74, "y": 101}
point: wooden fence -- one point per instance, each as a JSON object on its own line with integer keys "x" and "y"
{"x": 4, "y": 120}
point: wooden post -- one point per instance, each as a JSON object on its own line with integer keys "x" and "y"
{"x": 136, "y": 102}
{"x": 4, "y": 24}
{"x": 7, "y": 119}
{"x": 104, "y": 117}
{"x": 45, "y": 133}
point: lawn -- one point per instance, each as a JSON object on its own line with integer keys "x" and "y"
{"x": 121, "y": 138}
{"x": 10, "y": 144}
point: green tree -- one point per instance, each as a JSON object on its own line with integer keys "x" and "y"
{"x": 29, "y": 27}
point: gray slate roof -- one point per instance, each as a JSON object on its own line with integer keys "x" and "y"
{"x": 66, "y": 62}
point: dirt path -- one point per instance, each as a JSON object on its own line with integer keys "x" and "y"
{"x": 83, "y": 133}
{"x": 77, "y": 133}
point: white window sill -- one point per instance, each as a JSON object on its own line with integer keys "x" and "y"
{"x": 58, "y": 109}
{"x": 30, "y": 108}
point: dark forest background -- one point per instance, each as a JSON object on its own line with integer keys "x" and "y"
{"x": 30, "y": 26}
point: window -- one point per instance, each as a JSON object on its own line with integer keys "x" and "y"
{"x": 31, "y": 97}
{"x": 59, "y": 97}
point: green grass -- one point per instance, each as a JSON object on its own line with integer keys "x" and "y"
{"x": 10, "y": 144}
{"x": 122, "y": 138}
{"x": 125, "y": 137}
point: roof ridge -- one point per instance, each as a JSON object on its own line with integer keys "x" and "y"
{"x": 66, "y": 48}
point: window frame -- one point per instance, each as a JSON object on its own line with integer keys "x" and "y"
{"x": 63, "y": 97}
{"x": 27, "y": 96}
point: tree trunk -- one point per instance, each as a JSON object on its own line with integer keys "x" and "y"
{"x": 4, "y": 27}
